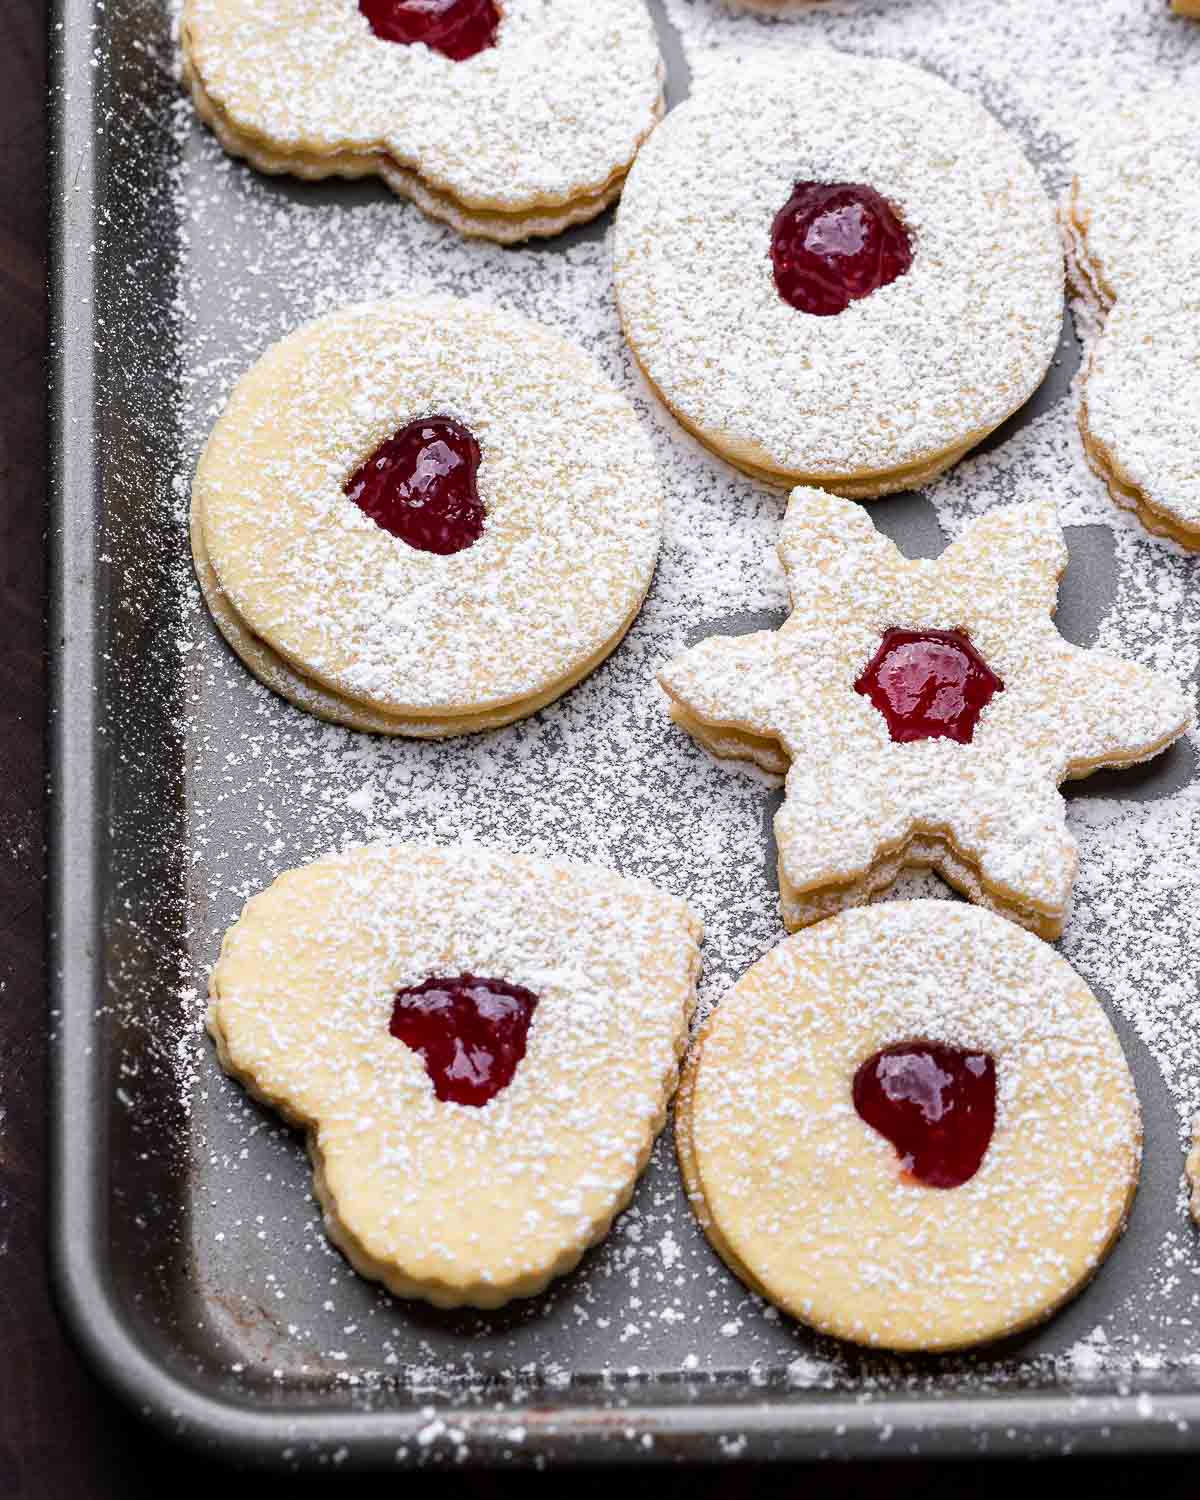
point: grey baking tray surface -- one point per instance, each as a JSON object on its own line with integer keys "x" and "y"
{"x": 188, "y": 1249}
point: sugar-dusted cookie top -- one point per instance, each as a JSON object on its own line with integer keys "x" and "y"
{"x": 925, "y": 711}
{"x": 430, "y": 509}
{"x": 546, "y": 112}
{"x": 481, "y": 1046}
{"x": 1132, "y": 222}
{"x": 911, "y": 1126}
{"x": 837, "y": 270}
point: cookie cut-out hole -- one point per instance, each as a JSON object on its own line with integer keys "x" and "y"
{"x": 834, "y": 242}
{"x": 420, "y": 485}
{"x": 936, "y": 1104}
{"x": 458, "y": 29}
{"x": 470, "y": 1032}
{"x": 929, "y": 684}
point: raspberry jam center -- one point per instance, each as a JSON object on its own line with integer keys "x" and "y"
{"x": 929, "y": 684}
{"x": 470, "y": 1031}
{"x": 420, "y": 486}
{"x": 834, "y": 242}
{"x": 937, "y": 1106}
{"x": 457, "y": 29}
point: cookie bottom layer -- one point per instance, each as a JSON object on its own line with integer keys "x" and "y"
{"x": 282, "y": 677}
{"x": 1128, "y": 495}
{"x": 862, "y": 484}
{"x": 504, "y": 228}
{"x": 924, "y": 848}
{"x": 1087, "y": 279}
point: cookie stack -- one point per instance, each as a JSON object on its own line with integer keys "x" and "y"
{"x": 505, "y": 122}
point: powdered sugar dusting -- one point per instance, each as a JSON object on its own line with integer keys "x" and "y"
{"x": 604, "y": 776}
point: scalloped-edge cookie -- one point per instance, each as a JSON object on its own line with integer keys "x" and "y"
{"x": 333, "y": 597}
{"x": 530, "y": 134}
{"x": 459, "y": 1202}
{"x": 925, "y": 712}
{"x": 837, "y": 270}
{"x": 1132, "y": 224}
{"x": 822, "y": 1213}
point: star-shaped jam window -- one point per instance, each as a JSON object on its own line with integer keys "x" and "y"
{"x": 924, "y": 712}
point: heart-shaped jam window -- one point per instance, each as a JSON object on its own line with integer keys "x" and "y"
{"x": 929, "y": 684}
{"x": 834, "y": 242}
{"x": 470, "y": 1032}
{"x": 458, "y": 29}
{"x": 936, "y": 1104}
{"x": 420, "y": 485}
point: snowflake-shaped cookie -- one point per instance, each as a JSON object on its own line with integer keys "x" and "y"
{"x": 983, "y": 810}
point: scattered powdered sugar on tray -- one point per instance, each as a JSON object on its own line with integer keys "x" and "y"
{"x": 604, "y": 776}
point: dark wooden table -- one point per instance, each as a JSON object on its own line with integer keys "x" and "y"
{"x": 61, "y": 1434}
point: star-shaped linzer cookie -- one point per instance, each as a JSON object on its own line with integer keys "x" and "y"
{"x": 924, "y": 712}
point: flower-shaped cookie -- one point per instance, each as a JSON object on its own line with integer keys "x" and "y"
{"x": 925, "y": 712}
{"x": 481, "y": 1047}
{"x": 1132, "y": 224}
{"x": 522, "y": 121}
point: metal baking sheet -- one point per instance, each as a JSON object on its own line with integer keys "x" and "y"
{"x": 187, "y": 1247}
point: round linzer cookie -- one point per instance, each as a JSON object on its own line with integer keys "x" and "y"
{"x": 924, "y": 712}
{"x": 837, "y": 271}
{"x": 481, "y": 1047}
{"x": 505, "y": 118}
{"x": 912, "y": 1127}
{"x": 1132, "y": 223}
{"x": 425, "y": 518}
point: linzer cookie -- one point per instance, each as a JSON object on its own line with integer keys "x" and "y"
{"x": 480, "y": 1046}
{"x": 837, "y": 271}
{"x": 425, "y": 518}
{"x": 1132, "y": 222}
{"x": 505, "y": 118}
{"x": 925, "y": 713}
{"x": 912, "y": 1127}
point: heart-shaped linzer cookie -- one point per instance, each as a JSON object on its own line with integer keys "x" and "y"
{"x": 481, "y": 1047}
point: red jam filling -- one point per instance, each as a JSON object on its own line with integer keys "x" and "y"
{"x": 834, "y": 242}
{"x": 929, "y": 684}
{"x": 420, "y": 486}
{"x": 456, "y": 28}
{"x": 470, "y": 1031}
{"x": 937, "y": 1106}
